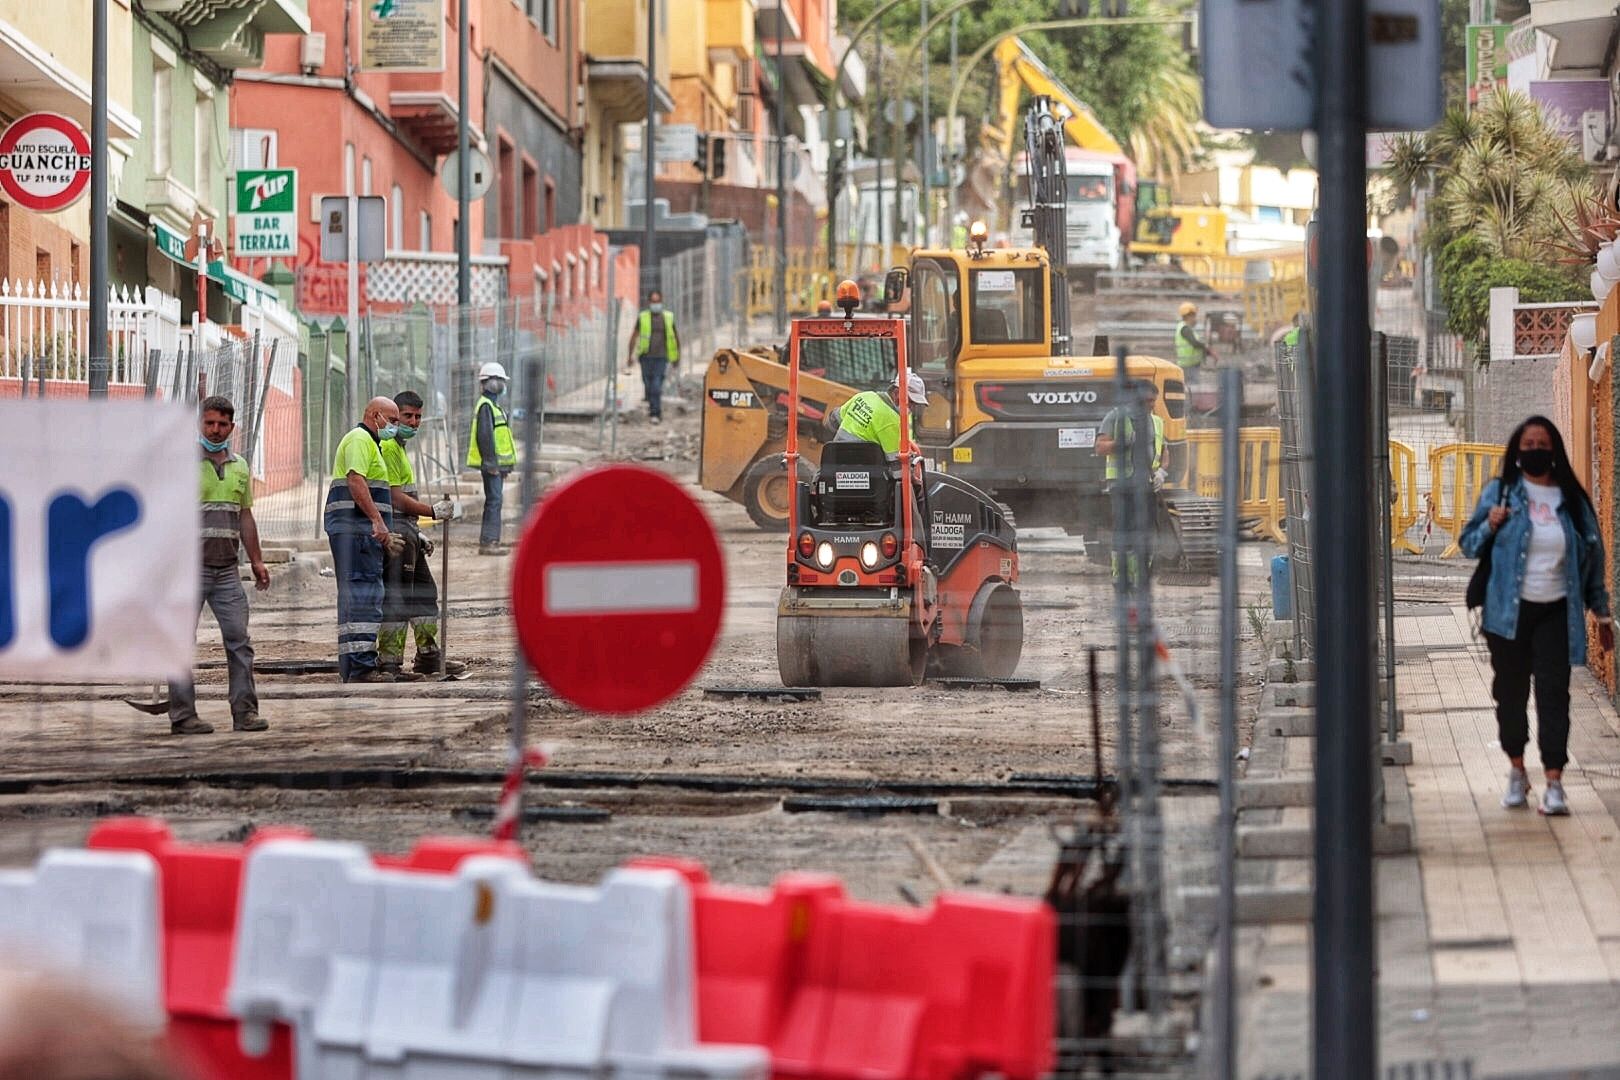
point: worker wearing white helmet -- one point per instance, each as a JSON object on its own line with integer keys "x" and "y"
{"x": 875, "y": 418}
{"x": 491, "y": 451}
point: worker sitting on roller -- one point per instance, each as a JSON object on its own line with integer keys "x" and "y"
{"x": 874, "y": 417}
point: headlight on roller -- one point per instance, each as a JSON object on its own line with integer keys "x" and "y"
{"x": 824, "y": 555}
{"x": 869, "y": 555}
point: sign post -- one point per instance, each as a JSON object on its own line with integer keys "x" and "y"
{"x": 353, "y": 231}
{"x": 618, "y": 589}
{"x": 266, "y": 213}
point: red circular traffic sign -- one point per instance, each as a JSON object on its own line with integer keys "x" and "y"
{"x": 45, "y": 162}
{"x": 618, "y": 589}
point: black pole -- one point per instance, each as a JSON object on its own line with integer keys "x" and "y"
{"x": 877, "y": 156}
{"x": 781, "y": 178}
{"x": 927, "y": 136}
{"x": 96, "y": 354}
{"x": 649, "y": 160}
{"x": 1344, "y": 1005}
{"x": 463, "y": 174}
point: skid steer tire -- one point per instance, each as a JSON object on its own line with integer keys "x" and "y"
{"x": 766, "y": 493}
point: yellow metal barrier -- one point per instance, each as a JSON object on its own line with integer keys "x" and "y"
{"x": 1268, "y": 305}
{"x": 1457, "y": 475}
{"x": 1260, "y": 497}
{"x": 1404, "y": 498}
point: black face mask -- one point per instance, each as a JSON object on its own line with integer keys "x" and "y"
{"x": 1535, "y": 462}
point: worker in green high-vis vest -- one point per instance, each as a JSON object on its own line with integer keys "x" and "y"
{"x": 655, "y": 342}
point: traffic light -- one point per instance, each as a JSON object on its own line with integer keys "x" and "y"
{"x": 717, "y": 157}
{"x": 702, "y": 158}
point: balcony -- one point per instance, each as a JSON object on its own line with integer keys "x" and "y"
{"x": 428, "y": 116}
{"x": 231, "y": 32}
{"x": 731, "y": 29}
{"x": 1584, "y": 31}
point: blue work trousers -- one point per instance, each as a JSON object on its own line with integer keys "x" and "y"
{"x": 357, "y": 561}
{"x": 653, "y": 370}
{"x": 489, "y": 528}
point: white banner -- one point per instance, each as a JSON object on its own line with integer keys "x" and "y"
{"x": 99, "y": 541}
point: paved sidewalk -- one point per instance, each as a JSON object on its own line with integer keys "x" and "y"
{"x": 1499, "y": 935}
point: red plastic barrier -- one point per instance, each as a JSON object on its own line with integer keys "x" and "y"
{"x": 844, "y": 990}
{"x": 201, "y": 884}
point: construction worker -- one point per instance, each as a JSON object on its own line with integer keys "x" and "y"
{"x": 1116, "y": 440}
{"x": 657, "y": 345}
{"x": 358, "y": 515}
{"x": 226, "y": 493}
{"x": 490, "y": 450}
{"x": 410, "y": 596}
{"x": 1191, "y": 351}
{"x": 875, "y": 418}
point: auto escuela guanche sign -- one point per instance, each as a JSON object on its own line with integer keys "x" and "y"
{"x": 45, "y": 162}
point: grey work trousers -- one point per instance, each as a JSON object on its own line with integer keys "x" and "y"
{"x": 222, "y": 591}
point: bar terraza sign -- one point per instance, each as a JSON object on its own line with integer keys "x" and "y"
{"x": 45, "y": 162}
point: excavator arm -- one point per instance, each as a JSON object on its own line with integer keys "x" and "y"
{"x": 1019, "y": 70}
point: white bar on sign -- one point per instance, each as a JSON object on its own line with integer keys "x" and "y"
{"x": 621, "y": 588}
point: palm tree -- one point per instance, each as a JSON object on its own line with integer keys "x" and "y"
{"x": 1501, "y": 173}
{"x": 1168, "y": 139}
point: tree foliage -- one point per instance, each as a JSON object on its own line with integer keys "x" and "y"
{"x": 1137, "y": 79}
{"x": 1468, "y": 272}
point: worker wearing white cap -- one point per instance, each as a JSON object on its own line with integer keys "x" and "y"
{"x": 491, "y": 451}
{"x": 875, "y": 418}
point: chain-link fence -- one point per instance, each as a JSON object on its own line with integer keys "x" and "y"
{"x": 1294, "y": 398}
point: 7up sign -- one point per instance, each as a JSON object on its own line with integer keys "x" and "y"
{"x": 266, "y": 213}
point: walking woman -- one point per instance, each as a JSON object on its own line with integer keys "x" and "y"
{"x": 1537, "y": 525}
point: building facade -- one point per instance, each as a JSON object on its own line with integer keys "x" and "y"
{"x": 616, "y": 82}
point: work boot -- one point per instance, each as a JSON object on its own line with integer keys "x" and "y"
{"x": 397, "y": 672}
{"x": 191, "y": 725}
{"x": 249, "y": 722}
{"x": 493, "y": 549}
{"x": 428, "y": 664}
{"x": 373, "y": 675}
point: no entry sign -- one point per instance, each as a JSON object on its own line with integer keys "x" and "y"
{"x": 618, "y": 589}
{"x": 45, "y": 162}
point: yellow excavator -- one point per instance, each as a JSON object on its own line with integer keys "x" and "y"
{"x": 1009, "y": 409}
{"x": 1111, "y": 214}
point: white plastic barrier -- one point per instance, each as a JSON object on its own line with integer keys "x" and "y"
{"x": 487, "y": 972}
{"x": 90, "y": 916}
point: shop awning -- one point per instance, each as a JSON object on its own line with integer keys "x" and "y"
{"x": 237, "y": 285}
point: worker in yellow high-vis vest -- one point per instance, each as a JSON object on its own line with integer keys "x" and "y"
{"x": 491, "y": 451}
{"x": 656, "y": 343}
{"x": 1116, "y": 440}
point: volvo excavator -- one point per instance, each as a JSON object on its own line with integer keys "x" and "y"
{"x": 1010, "y": 409}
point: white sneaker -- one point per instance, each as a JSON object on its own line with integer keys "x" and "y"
{"x": 1517, "y": 796}
{"x": 1553, "y": 803}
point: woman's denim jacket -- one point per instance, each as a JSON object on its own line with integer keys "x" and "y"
{"x": 1583, "y": 564}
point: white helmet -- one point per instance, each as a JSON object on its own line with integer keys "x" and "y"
{"x": 491, "y": 370}
{"x": 916, "y": 390}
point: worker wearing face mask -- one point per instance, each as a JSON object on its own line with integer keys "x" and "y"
{"x": 657, "y": 346}
{"x": 491, "y": 451}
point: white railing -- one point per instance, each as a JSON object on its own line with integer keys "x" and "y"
{"x": 45, "y": 331}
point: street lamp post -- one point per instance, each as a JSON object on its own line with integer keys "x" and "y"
{"x": 96, "y": 355}
{"x": 781, "y": 178}
{"x": 649, "y": 159}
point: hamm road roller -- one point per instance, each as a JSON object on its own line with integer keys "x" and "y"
{"x": 893, "y": 570}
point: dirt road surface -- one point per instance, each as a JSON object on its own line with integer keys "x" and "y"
{"x": 976, "y": 779}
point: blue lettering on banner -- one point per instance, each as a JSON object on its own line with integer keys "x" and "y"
{"x": 72, "y": 528}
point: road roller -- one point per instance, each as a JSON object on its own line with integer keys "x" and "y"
{"x": 894, "y": 569}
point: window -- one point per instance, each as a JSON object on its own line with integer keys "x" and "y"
{"x": 348, "y": 168}
{"x": 1090, "y": 189}
{"x": 937, "y": 321}
{"x": 530, "y": 193}
{"x": 864, "y": 363}
{"x": 162, "y": 117}
{"x": 551, "y": 204}
{"x": 506, "y": 188}
{"x": 544, "y": 15}
{"x": 42, "y": 265}
{"x": 365, "y": 176}
{"x": 396, "y": 218}
{"x": 204, "y": 129}
{"x": 1007, "y": 307}
{"x": 426, "y": 232}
